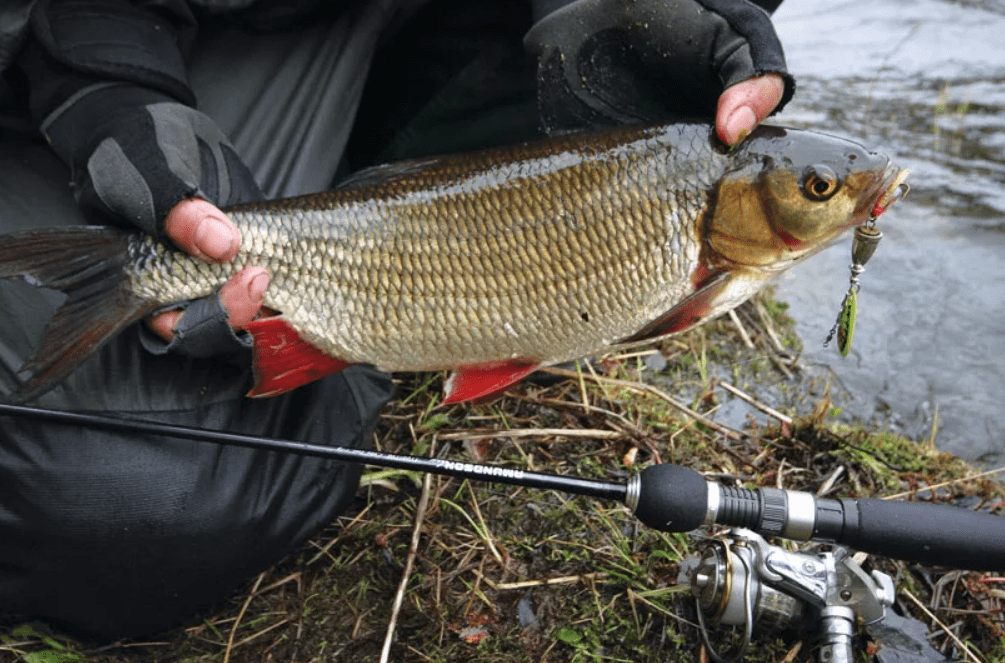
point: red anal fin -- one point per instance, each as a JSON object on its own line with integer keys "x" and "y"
{"x": 481, "y": 383}
{"x": 685, "y": 314}
{"x": 284, "y": 360}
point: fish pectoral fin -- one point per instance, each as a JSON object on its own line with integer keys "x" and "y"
{"x": 283, "y": 360}
{"x": 483, "y": 382}
{"x": 687, "y": 313}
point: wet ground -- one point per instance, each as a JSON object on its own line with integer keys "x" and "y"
{"x": 925, "y": 83}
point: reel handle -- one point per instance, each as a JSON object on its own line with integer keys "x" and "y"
{"x": 677, "y": 499}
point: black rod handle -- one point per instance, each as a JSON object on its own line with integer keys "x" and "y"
{"x": 936, "y": 534}
{"x": 676, "y": 499}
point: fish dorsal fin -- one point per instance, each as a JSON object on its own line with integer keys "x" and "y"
{"x": 284, "y": 360}
{"x": 483, "y": 382}
{"x": 386, "y": 172}
{"x": 687, "y": 313}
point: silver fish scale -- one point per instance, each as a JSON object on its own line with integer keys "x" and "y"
{"x": 546, "y": 252}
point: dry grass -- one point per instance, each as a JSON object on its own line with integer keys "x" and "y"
{"x": 503, "y": 574}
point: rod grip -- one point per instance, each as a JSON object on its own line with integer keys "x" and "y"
{"x": 936, "y": 534}
{"x": 672, "y": 498}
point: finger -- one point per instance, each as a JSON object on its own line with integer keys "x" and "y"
{"x": 241, "y": 296}
{"x": 745, "y": 105}
{"x": 201, "y": 229}
{"x": 164, "y": 324}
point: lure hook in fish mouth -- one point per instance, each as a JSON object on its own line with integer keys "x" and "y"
{"x": 895, "y": 189}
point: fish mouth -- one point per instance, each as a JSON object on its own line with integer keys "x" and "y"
{"x": 893, "y": 188}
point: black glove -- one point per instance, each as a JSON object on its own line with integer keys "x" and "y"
{"x": 110, "y": 92}
{"x": 136, "y": 153}
{"x": 609, "y": 62}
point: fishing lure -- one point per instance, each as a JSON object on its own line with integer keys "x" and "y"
{"x": 867, "y": 237}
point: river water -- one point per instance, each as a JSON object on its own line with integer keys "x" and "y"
{"x": 925, "y": 83}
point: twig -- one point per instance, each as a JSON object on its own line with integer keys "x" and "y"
{"x": 533, "y": 432}
{"x": 769, "y": 328}
{"x": 561, "y": 580}
{"x": 282, "y": 581}
{"x": 953, "y": 636}
{"x": 740, "y": 328}
{"x": 774, "y": 354}
{"x": 593, "y": 373}
{"x": 661, "y": 609}
{"x": 632, "y": 431}
{"x": 581, "y": 383}
{"x": 793, "y": 653}
{"x": 262, "y": 632}
{"x": 575, "y": 405}
{"x": 752, "y": 401}
{"x": 649, "y": 389}
{"x": 240, "y": 615}
{"x": 829, "y": 482}
{"x": 933, "y": 487}
{"x": 483, "y": 531}
{"x": 413, "y": 550}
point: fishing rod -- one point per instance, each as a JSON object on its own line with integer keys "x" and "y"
{"x": 739, "y": 581}
{"x": 671, "y": 498}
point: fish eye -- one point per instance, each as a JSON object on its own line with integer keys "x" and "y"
{"x": 820, "y": 183}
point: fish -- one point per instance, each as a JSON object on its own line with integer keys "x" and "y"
{"x": 491, "y": 264}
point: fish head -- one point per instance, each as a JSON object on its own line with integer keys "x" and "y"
{"x": 789, "y": 193}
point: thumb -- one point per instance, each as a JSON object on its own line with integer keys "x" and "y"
{"x": 745, "y": 105}
{"x": 202, "y": 230}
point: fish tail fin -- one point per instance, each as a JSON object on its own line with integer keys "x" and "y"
{"x": 88, "y": 265}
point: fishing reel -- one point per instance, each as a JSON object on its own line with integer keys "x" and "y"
{"x": 744, "y": 581}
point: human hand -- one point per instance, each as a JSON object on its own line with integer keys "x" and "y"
{"x": 745, "y": 105}
{"x": 202, "y": 230}
{"x": 139, "y": 157}
{"x": 608, "y": 62}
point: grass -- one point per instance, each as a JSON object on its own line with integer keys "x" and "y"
{"x": 943, "y": 110}
{"x": 504, "y": 574}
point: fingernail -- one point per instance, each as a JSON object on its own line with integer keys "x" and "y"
{"x": 739, "y": 125}
{"x": 215, "y": 238}
{"x": 257, "y": 286}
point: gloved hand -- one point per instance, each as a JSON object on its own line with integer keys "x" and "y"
{"x": 608, "y": 62}
{"x": 135, "y": 153}
{"x": 138, "y": 156}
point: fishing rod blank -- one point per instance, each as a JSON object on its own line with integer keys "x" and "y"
{"x": 515, "y": 477}
{"x": 672, "y": 498}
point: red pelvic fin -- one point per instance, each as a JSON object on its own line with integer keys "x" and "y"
{"x": 284, "y": 360}
{"x": 687, "y": 313}
{"x": 481, "y": 383}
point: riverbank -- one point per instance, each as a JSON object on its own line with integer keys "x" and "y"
{"x": 511, "y": 574}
